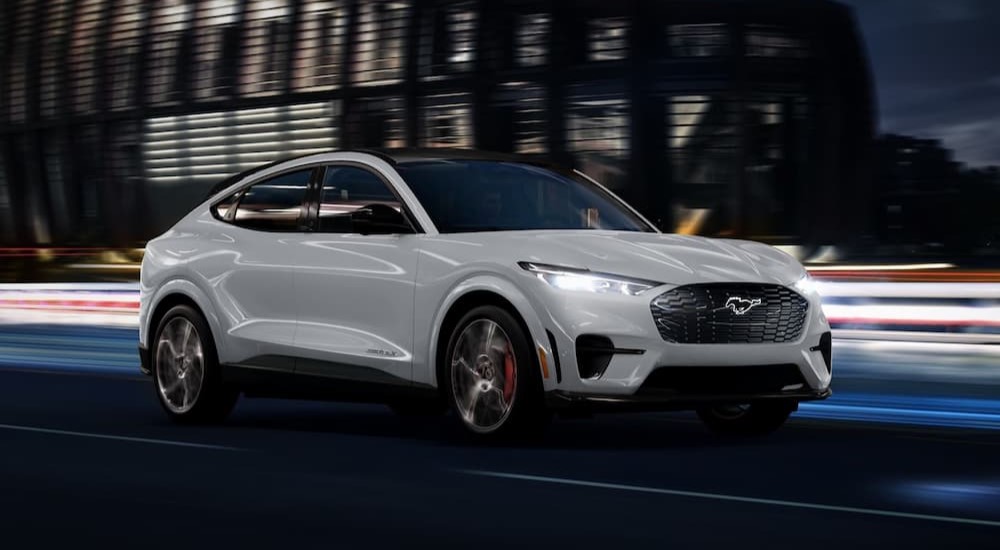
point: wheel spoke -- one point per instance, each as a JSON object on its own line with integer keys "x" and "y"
{"x": 472, "y": 397}
{"x": 187, "y": 337}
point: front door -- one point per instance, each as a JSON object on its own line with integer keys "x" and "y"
{"x": 354, "y": 281}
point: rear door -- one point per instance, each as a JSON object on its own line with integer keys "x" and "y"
{"x": 256, "y": 287}
{"x": 354, "y": 280}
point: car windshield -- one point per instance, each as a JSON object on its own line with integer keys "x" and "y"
{"x": 478, "y": 195}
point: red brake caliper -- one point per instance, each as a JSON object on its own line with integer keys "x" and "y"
{"x": 508, "y": 371}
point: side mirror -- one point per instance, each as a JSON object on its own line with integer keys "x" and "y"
{"x": 379, "y": 219}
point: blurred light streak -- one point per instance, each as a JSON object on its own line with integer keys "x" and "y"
{"x": 946, "y": 412}
{"x": 888, "y": 267}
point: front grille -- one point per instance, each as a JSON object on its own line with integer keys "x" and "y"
{"x": 745, "y": 380}
{"x": 730, "y": 313}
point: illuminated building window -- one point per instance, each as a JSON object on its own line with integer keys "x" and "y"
{"x": 207, "y": 147}
{"x": 698, "y": 40}
{"x": 83, "y": 52}
{"x": 123, "y": 52}
{"x": 446, "y": 121}
{"x": 57, "y": 28}
{"x": 215, "y": 47}
{"x": 379, "y": 47}
{"x": 770, "y": 41}
{"x": 448, "y": 40}
{"x": 531, "y": 39}
{"x": 597, "y": 132}
{"x": 16, "y": 86}
{"x": 171, "y": 18}
{"x": 607, "y": 39}
{"x": 265, "y": 47}
{"x": 319, "y": 45}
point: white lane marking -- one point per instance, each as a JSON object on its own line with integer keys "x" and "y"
{"x": 118, "y": 437}
{"x": 733, "y": 498}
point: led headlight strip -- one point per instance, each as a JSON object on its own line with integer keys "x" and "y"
{"x": 569, "y": 278}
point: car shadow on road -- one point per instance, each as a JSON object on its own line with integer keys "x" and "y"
{"x": 618, "y": 431}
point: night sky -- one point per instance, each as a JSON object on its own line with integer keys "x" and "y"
{"x": 937, "y": 69}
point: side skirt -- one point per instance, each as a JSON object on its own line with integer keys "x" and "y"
{"x": 274, "y": 377}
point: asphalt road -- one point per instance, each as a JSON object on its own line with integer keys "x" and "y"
{"x": 89, "y": 459}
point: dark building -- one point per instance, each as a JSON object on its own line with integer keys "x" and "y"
{"x": 927, "y": 202}
{"x": 721, "y": 117}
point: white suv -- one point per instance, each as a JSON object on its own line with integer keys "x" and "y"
{"x": 498, "y": 286}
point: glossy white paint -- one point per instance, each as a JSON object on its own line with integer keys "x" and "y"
{"x": 378, "y": 301}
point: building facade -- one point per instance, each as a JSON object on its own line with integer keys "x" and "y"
{"x": 750, "y": 118}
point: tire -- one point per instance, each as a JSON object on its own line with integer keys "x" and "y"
{"x": 187, "y": 377}
{"x": 494, "y": 391}
{"x": 755, "y": 419}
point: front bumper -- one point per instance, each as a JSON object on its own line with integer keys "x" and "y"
{"x": 640, "y": 351}
{"x": 560, "y": 400}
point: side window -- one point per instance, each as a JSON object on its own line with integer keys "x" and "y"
{"x": 222, "y": 207}
{"x": 354, "y": 200}
{"x": 274, "y": 204}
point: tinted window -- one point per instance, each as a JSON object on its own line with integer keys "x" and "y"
{"x": 347, "y": 189}
{"x": 472, "y": 195}
{"x": 222, "y": 207}
{"x": 274, "y": 204}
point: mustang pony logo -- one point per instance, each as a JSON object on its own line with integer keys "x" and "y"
{"x": 741, "y": 306}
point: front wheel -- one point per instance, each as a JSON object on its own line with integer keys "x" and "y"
{"x": 753, "y": 419}
{"x": 491, "y": 376}
{"x": 186, "y": 370}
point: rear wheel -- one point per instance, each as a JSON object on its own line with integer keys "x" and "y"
{"x": 491, "y": 376}
{"x": 186, "y": 370}
{"x": 748, "y": 419}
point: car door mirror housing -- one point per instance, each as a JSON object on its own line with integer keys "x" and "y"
{"x": 379, "y": 219}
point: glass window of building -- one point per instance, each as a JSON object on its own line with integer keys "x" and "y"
{"x": 446, "y": 121}
{"x": 207, "y": 147}
{"x": 379, "y": 46}
{"x": 772, "y": 41}
{"x": 521, "y": 105}
{"x": 57, "y": 29}
{"x": 597, "y": 124}
{"x": 377, "y": 122}
{"x": 703, "y": 139}
{"x": 531, "y": 35}
{"x": 266, "y": 34}
{"x": 83, "y": 52}
{"x": 170, "y": 19}
{"x": 6, "y": 214}
{"x": 123, "y": 52}
{"x": 448, "y": 40}
{"x": 18, "y": 71}
{"x": 319, "y": 45}
{"x": 215, "y": 46}
{"x": 698, "y": 40}
{"x": 607, "y": 39}
{"x": 274, "y": 204}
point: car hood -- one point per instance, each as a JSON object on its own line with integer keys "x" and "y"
{"x": 665, "y": 258}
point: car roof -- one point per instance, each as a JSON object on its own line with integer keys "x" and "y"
{"x": 397, "y": 156}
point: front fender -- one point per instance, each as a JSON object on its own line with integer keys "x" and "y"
{"x": 509, "y": 291}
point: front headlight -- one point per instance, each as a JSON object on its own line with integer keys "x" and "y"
{"x": 806, "y": 285}
{"x": 568, "y": 278}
